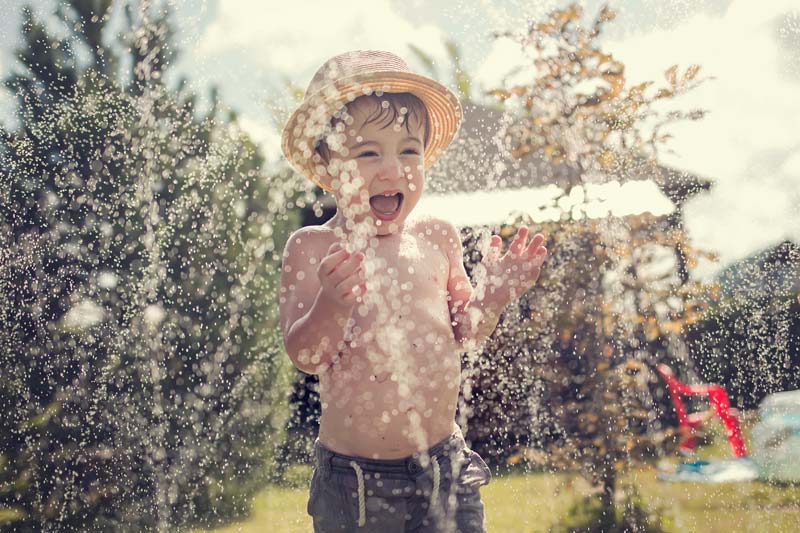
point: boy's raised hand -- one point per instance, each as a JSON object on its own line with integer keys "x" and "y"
{"x": 511, "y": 274}
{"x": 340, "y": 276}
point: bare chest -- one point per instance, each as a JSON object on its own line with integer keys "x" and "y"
{"x": 406, "y": 283}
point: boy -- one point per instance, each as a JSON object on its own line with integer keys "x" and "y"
{"x": 379, "y": 304}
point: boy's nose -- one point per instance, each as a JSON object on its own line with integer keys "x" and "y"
{"x": 391, "y": 168}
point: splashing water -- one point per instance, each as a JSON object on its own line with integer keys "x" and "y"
{"x": 143, "y": 376}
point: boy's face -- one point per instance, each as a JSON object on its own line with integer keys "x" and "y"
{"x": 387, "y": 173}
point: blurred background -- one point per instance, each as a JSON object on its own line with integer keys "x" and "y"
{"x": 145, "y": 205}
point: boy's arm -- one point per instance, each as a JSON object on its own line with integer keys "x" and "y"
{"x": 313, "y": 324}
{"x": 473, "y": 316}
{"x": 502, "y": 279}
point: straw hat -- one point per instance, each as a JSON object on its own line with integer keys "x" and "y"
{"x": 347, "y": 76}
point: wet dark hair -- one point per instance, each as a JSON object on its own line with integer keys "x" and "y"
{"x": 385, "y": 116}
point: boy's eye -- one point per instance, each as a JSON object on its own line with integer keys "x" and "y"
{"x": 411, "y": 151}
{"x": 368, "y": 153}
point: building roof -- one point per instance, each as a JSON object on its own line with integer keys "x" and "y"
{"x": 547, "y": 203}
{"x": 481, "y": 162}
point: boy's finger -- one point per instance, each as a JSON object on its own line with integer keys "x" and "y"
{"x": 349, "y": 298}
{"x": 495, "y": 246}
{"x": 535, "y": 243}
{"x": 348, "y": 286}
{"x": 332, "y": 261}
{"x": 349, "y": 266}
{"x": 539, "y": 256}
{"x": 518, "y": 244}
{"x": 359, "y": 291}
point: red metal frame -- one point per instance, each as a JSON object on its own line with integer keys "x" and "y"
{"x": 688, "y": 423}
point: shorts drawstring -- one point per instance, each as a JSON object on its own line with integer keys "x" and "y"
{"x": 435, "y": 494}
{"x": 362, "y": 505}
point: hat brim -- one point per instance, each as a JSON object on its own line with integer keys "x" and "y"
{"x": 444, "y": 113}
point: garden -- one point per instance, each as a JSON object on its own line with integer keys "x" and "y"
{"x": 647, "y": 382}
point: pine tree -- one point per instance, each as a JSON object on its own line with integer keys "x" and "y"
{"x": 139, "y": 360}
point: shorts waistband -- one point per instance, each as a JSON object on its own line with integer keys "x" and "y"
{"x": 413, "y": 464}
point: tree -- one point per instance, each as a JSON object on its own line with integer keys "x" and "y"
{"x": 574, "y": 356}
{"x": 749, "y": 340}
{"x": 139, "y": 360}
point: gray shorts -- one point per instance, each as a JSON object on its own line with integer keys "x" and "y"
{"x": 433, "y": 491}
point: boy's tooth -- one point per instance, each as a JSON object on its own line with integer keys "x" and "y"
{"x": 385, "y": 209}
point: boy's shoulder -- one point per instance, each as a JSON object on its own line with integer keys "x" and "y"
{"x": 433, "y": 223}
{"x": 309, "y": 240}
{"x": 437, "y": 230}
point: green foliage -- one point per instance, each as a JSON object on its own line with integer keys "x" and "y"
{"x": 728, "y": 346}
{"x": 581, "y": 109}
{"x": 569, "y": 369}
{"x": 140, "y": 361}
{"x": 574, "y": 356}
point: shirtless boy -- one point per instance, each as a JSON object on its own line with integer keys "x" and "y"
{"x": 379, "y": 305}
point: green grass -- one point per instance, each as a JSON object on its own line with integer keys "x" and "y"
{"x": 513, "y": 503}
{"x": 724, "y": 507}
{"x": 528, "y": 503}
{"x": 533, "y": 502}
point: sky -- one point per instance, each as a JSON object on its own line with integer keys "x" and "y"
{"x": 748, "y": 144}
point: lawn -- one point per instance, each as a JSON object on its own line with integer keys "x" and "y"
{"x": 532, "y": 502}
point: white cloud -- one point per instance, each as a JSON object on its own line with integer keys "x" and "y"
{"x": 746, "y": 142}
{"x": 487, "y": 207}
{"x": 791, "y": 167}
{"x": 252, "y": 46}
{"x": 754, "y": 109}
{"x": 266, "y": 135}
{"x": 6, "y": 100}
{"x": 294, "y": 38}
{"x": 503, "y": 55}
{"x": 752, "y": 123}
{"x": 751, "y": 102}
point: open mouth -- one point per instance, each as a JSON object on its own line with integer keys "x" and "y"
{"x": 386, "y": 207}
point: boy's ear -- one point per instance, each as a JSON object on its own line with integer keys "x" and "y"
{"x": 324, "y": 177}
{"x": 321, "y": 173}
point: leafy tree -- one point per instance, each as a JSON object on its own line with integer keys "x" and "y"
{"x": 139, "y": 360}
{"x": 574, "y": 355}
{"x": 729, "y": 348}
{"x": 580, "y": 110}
